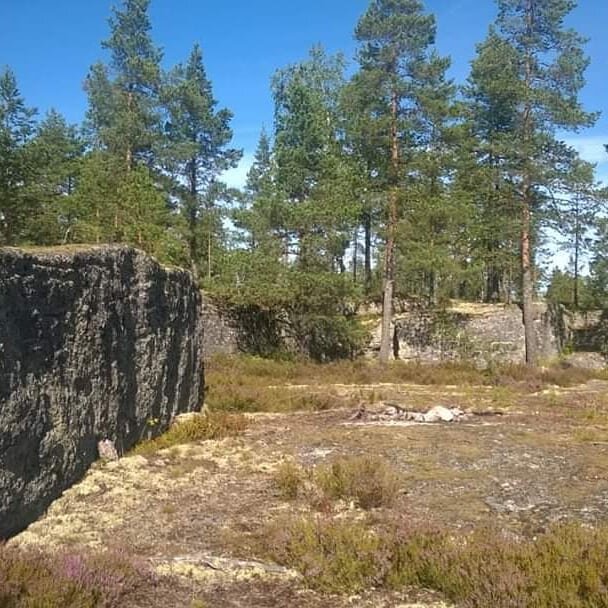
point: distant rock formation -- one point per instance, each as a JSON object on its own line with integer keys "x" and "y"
{"x": 95, "y": 344}
{"x": 465, "y": 331}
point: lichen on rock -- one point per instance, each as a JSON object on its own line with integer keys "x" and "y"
{"x": 94, "y": 343}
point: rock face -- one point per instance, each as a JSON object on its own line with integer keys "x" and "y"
{"x": 97, "y": 344}
{"x": 230, "y": 330}
{"x": 220, "y": 330}
{"x": 588, "y": 331}
{"x": 479, "y": 333}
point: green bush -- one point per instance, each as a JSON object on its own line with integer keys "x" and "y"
{"x": 369, "y": 481}
{"x": 567, "y": 567}
{"x": 288, "y": 480}
{"x": 31, "y": 578}
{"x": 199, "y": 427}
{"x": 333, "y": 557}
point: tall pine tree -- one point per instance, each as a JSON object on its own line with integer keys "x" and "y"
{"x": 398, "y": 69}
{"x": 17, "y": 205}
{"x": 198, "y": 152}
{"x": 551, "y": 65}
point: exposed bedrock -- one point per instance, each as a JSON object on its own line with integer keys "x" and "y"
{"x": 95, "y": 344}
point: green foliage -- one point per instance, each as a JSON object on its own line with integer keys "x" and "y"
{"x": 334, "y": 557}
{"x": 288, "y": 480}
{"x": 115, "y": 205}
{"x": 123, "y": 116}
{"x": 196, "y": 152}
{"x": 31, "y": 578}
{"x": 16, "y": 163}
{"x": 369, "y": 481}
{"x": 197, "y": 427}
{"x": 394, "y": 173}
{"x": 599, "y": 265}
{"x": 562, "y": 290}
{"x": 314, "y": 175}
{"x": 483, "y": 182}
{"x": 564, "y": 568}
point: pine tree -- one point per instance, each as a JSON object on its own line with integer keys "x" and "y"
{"x": 96, "y": 202}
{"x": 599, "y": 264}
{"x": 16, "y": 163}
{"x": 491, "y": 98}
{"x": 57, "y": 151}
{"x": 313, "y": 174}
{"x": 123, "y": 96}
{"x": 198, "y": 149}
{"x": 260, "y": 214}
{"x": 397, "y": 63}
{"x": 429, "y": 234}
{"x": 551, "y": 65}
{"x": 123, "y": 128}
{"x": 575, "y": 212}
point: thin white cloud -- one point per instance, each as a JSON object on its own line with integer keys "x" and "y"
{"x": 591, "y": 148}
{"x": 237, "y": 177}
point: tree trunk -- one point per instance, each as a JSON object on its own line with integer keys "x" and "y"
{"x": 386, "y": 341}
{"x": 193, "y": 218}
{"x": 367, "y": 226}
{"x": 492, "y": 284}
{"x": 355, "y": 252}
{"x": 129, "y": 152}
{"x": 527, "y": 284}
{"x": 577, "y": 247}
{"x": 209, "y": 256}
{"x": 527, "y": 276}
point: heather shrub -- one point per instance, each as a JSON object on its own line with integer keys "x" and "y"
{"x": 369, "y": 481}
{"x": 288, "y": 480}
{"x": 333, "y": 556}
{"x": 567, "y": 567}
{"x": 30, "y": 578}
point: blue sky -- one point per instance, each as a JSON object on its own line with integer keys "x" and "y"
{"x": 50, "y": 44}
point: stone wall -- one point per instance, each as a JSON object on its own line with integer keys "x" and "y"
{"x": 221, "y": 331}
{"x": 480, "y": 333}
{"x": 588, "y": 331}
{"x": 95, "y": 344}
{"x": 245, "y": 329}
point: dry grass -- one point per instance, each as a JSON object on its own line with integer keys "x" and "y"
{"x": 201, "y": 427}
{"x": 252, "y": 384}
{"x": 289, "y": 479}
{"x": 369, "y": 482}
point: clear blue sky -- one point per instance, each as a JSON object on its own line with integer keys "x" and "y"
{"x": 50, "y": 45}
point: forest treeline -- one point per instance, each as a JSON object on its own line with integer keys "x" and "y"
{"x": 379, "y": 178}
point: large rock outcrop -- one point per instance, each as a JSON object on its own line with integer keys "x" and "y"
{"x": 95, "y": 344}
{"x": 479, "y": 333}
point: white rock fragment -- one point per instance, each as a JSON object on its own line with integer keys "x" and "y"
{"x": 107, "y": 450}
{"x": 439, "y": 413}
